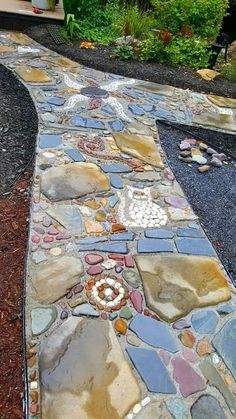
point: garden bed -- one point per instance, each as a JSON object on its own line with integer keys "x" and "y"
{"x": 100, "y": 59}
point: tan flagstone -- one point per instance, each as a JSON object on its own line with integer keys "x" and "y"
{"x": 207, "y": 74}
{"x": 224, "y": 102}
{"x": 53, "y": 279}
{"x": 216, "y": 120}
{"x": 139, "y": 146}
{"x": 20, "y": 38}
{"x": 176, "y": 284}
{"x": 84, "y": 374}
{"x": 32, "y": 75}
{"x": 159, "y": 89}
{"x": 6, "y": 48}
{"x": 73, "y": 180}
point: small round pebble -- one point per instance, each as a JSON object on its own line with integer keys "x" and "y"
{"x": 55, "y": 251}
{"x": 104, "y": 316}
{"x": 63, "y": 315}
{"x": 35, "y": 239}
{"x": 48, "y": 239}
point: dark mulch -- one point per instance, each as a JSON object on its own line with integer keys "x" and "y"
{"x": 100, "y": 59}
{"x": 18, "y": 129}
{"x": 212, "y": 194}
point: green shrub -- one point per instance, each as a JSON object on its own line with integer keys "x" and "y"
{"x": 229, "y": 70}
{"x": 153, "y": 49}
{"x": 124, "y": 52}
{"x": 189, "y": 52}
{"x": 204, "y": 17}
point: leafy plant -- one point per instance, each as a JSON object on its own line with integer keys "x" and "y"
{"x": 229, "y": 70}
{"x": 124, "y": 52}
{"x": 203, "y": 17}
{"x": 137, "y": 21}
{"x": 72, "y": 26}
{"x": 185, "y": 51}
{"x": 153, "y": 49}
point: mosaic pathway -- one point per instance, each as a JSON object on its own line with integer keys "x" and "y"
{"x": 129, "y": 313}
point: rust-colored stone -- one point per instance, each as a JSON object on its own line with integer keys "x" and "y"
{"x": 117, "y": 228}
{"x": 34, "y": 408}
{"x": 204, "y": 346}
{"x": 34, "y": 396}
{"x": 187, "y": 338}
{"x": 120, "y": 326}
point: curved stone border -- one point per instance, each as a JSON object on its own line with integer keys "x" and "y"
{"x": 104, "y": 200}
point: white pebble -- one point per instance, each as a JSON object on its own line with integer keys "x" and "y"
{"x": 136, "y": 408}
{"x": 145, "y": 401}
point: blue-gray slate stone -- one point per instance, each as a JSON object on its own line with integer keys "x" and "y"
{"x": 147, "y": 107}
{"x": 189, "y": 232}
{"x": 116, "y": 181}
{"x": 177, "y": 408}
{"x": 74, "y": 154}
{"x": 159, "y": 233}
{"x": 154, "y": 333}
{"x": 116, "y": 126}
{"x": 189, "y": 246}
{"x": 49, "y": 141}
{"x": 106, "y": 247}
{"x": 91, "y": 240}
{"x": 78, "y": 121}
{"x": 226, "y": 308}
{"x": 152, "y": 370}
{"x": 113, "y": 201}
{"x": 108, "y": 109}
{"x": 207, "y": 406}
{"x": 154, "y": 245}
{"x": 57, "y": 101}
{"x": 205, "y": 321}
{"x": 225, "y": 343}
{"x": 116, "y": 168}
{"x": 135, "y": 109}
{"x": 126, "y": 236}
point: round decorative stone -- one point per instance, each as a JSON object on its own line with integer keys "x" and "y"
{"x": 107, "y": 293}
{"x": 93, "y": 259}
{"x": 93, "y": 91}
{"x": 120, "y": 326}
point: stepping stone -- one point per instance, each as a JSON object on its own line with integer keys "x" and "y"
{"x": 189, "y": 381}
{"x": 74, "y": 154}
{"x": 72, "y": 369}
{"x": 73, "y": 180}
{"x": 216, "y": 120}
{"x": 159, "y": 233}
{"x": 225, "y": 342}
{"x": 224, "y": 102}
{"x": 191, "y": 246}
{"x": 182, "y": 280}
{"x": 152, "y": 370}
{"x": 142, "y": 147}
{"x": 49, "y": 141}
{"x": 205, "y": 322}
{"x": 160, "y": 89}
{"x": 154, "y": 245}
{"x": 154, "y": 333}
{"x": 52, "y": 279}
{"x": 207, "y": 406}
{"x": 42, "y": 319}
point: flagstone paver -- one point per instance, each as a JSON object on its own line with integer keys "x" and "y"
{"x": 120, "y": 275}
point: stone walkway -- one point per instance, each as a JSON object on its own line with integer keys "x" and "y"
{"x": 128, "y": 310}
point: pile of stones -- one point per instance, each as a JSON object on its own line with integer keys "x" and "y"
{"x": 192, "y": 150}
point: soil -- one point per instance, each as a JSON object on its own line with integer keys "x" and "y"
{"x": 14, "y": 230}
{"x": 18, "y": 129}
{"x": 212, "y": 195}
{"x": 100, "y": 59}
